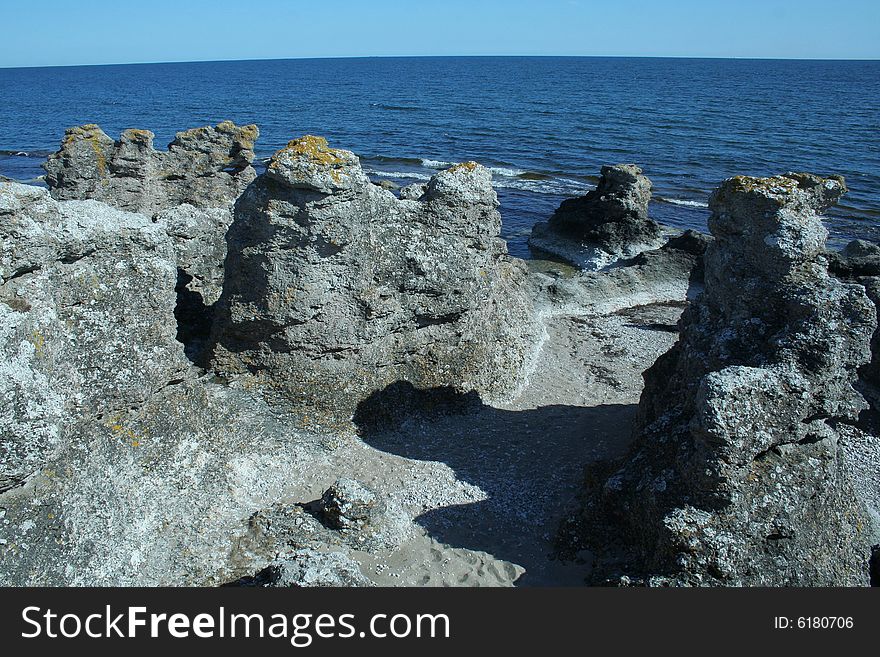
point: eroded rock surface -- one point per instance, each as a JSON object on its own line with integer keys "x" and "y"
{"x": 608, "y": 223}
{"x": 335, "y": 288}
{"x": 204, "y": 167}
{"x": 86, "y": 299}
{"x": 188, "y": 190}
{"x": 738, "y": 475}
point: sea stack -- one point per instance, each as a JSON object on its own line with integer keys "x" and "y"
{"x": 737, "y": 475}
{"x": 607, "y": 224}
{"x": 336, "y": 289}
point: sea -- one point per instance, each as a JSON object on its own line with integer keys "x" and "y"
{"x": 543, "y": 125}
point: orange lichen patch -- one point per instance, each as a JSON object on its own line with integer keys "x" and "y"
{"x": 315, "y": 149}
{"x": 123, "y": 433}
{"x": 247, "y": 135}
{"x": 92, "y": 134}
{"x": 776, "y": 184}
{"x": 135, "y": 134}
{"x": 465, "y": 166}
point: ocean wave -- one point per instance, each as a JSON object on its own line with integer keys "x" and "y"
{"x": 551, "y": 186}
{"x": 24, "y": 153}
{"x": 403, "y": 175}
{"x": 398, "y": 108}
{"x": 389, "y": 159}
{"x": 508, "y": 172}
{"x": 504, "y": 171}
{"x": 437, "y": 164}
{"x": 684, "y": 202}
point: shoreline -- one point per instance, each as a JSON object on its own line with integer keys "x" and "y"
{"x": 297, "y": 369}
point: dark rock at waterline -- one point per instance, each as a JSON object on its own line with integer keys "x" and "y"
{"x": 690, "y": 241}
{"x": 859, "y": 258}
{"x": 737, "y": 476}
{"x": 608, "y": 223}
{"x": 390, "y": 185}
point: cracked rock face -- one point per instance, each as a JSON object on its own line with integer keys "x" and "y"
{"x": 310, "y": 568}
{"x": 607, "y": 224}
{"x": 737, "y": 475}
{"x": 117, "y": 465}
{"x": 860, "y": 262}
{"x": 335, "y": 288}
{"x": 86, "y": 302}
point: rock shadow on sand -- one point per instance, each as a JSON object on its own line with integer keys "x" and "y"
{"x": 529, "y": 464}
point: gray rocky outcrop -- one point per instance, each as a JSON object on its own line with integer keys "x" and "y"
{"x": 607, "y": 224}
{"x": 671, "y": 274}
{"x": 413, "y": 192}
{"x": 336, "y": 289}
{"x": 310, "y": 568}
{"x": 859, "y": 262}
{"x": 87, "y": 296}
{"x": 188, "y": 189}
{"x": 117, "y": 465}
{"x": 204, "y": 167}
{"x": 349, "y": 504}
{"x": 738, "y": 474}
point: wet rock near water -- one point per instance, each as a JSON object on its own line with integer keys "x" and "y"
{"x": 607, "y": 224}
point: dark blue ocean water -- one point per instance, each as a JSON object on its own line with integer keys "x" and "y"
{"x": 544, "y": 125}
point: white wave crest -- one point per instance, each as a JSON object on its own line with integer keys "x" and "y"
{"x": 437, "y": 164}
{"x": 679, "y": 201}
{"x": 406, "y": 175}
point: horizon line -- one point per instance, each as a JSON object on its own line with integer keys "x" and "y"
{"x": 481, "y": 56}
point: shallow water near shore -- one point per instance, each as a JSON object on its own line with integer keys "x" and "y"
{"x": 544, "y": 125}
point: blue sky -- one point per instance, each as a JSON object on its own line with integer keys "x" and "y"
{"x": 56, "y": 32}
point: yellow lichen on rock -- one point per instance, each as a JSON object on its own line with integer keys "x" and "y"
{"x": 89, "y": 133}
{"x": 465, "y": 166}
{"x": 136, "y": 134}
{"x": 314, "y": 148}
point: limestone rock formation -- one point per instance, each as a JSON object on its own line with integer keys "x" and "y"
{"x": 413, "y": 192}
{"x": 117, "y": 465}
{"x": 189, "y": 190}
{"x": 310, "y": 568}
{"x": 859, "y": 262}
{"x": 671, "y": 274}
{"x": 205, "y": 167}
{"x": 737, "y": 475}
{"x": 86, "y": 298}
{"x": 335, "y": 288}
{"x": 608, "y": 223}
{"x": 349, "y": 504}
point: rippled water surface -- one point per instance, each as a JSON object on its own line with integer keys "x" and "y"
{"x": 544, "y": 125}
